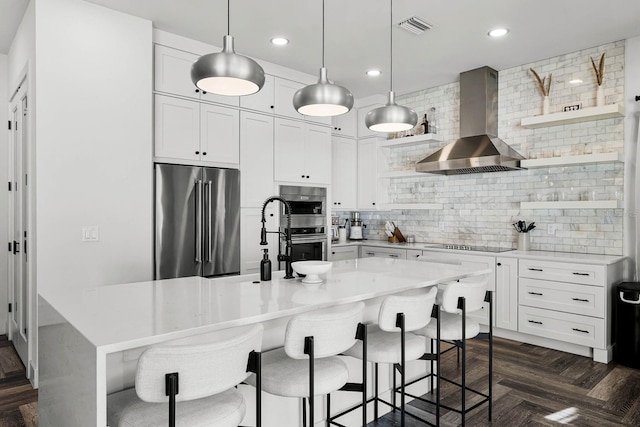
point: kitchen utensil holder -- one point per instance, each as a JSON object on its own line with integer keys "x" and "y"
{"x": 398, "y": 235}
{"x": 523, "y": 241}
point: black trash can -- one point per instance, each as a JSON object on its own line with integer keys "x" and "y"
{"x": 627, "y": 324}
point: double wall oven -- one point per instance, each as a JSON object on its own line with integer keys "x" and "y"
{"x": 308, "y": 221}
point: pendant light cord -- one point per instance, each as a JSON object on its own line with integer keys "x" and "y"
{"x": 391, "y": 46}
{"x": 322, "y": 33}
{"x": 228, "y": 17}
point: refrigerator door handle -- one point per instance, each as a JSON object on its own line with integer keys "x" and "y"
{"x": 208, "y": 188}
{"x": 198, "y": 220}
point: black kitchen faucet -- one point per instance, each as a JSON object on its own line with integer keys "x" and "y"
{"x": 286, "y": 257}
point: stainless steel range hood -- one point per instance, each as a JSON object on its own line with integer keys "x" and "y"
{"x": 478, "y": 149}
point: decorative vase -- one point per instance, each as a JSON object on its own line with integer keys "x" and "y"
{"x": 599, "y": 96}
{"x": 523, "y": 241}
{"x": 545, "y": 105}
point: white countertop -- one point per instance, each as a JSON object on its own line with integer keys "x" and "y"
{"x": 119, "y": 317}
{"x": 539, "y": 255}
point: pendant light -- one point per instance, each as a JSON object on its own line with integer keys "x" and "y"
{"x": 392, "y": 117}
{"x": 323, "y": 98}
{"x": 226, "y": 72}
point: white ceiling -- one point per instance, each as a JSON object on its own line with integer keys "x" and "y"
{"x": 357, "y": 33}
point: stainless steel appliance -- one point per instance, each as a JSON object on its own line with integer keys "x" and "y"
{"x": 478, "y": 149}
{"x": 309, "y": 226}
{"x": 197, "y": 221}
{"x": 355, "y": 232}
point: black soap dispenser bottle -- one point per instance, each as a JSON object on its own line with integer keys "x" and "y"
{"x": 265, "y": 267}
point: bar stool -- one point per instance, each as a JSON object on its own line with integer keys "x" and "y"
{"x": 460, "y": 298}
{"x": 308, "y": 364}
{"x": 394, "y": 343}
{"x": 197, "y": 381}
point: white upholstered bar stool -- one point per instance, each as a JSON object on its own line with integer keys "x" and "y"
{"x": 459, "y": 298}
{"x": 190, "y": 385}
{"x": 308, "y": 364}
{"x": 393, "y": 343}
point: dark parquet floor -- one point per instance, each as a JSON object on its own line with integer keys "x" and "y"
{"x": 533, "y": 386}
{"x": 18, "y": 400}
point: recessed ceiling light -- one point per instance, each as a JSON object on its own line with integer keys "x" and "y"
{"x": 575, "y": 81}
{"x": 374, "y": 73}
{"x": 498, "y": 32}
{"x": 279, "y": 41}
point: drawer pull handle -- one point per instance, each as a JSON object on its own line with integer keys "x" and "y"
{"x": 580, "y": 330}
{"x": 535, "y": 293}
{"x": 535, "y": 321}
{"x": 535, "y": 269}
{"x": 580, "y": 299}
{"x": 393, "y": 255}
{"x": 370, "y": 253}
{"x": 580, "y": 274}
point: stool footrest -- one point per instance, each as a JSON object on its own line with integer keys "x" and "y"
{"x": 352, "y": 387}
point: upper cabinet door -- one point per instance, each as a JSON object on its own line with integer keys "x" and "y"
{"x": 367, "y": 174}
{"x": 346, "y": 124}
{"x": 290, "y": 152}
{"x": 317, "y": 156}
{"x": 220, "y": 99}
{"x": 263, "y": 100}
{"x": 176, "y": 128}
{"x": 345, "y": 173}
{"x": 284, "y": 91}
{"x": 173, "y": 71}
{"x": 219, "y": 135}
{"x": 256, "y": 158}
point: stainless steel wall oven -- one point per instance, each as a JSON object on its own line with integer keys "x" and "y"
{"x": 308, "y": 221}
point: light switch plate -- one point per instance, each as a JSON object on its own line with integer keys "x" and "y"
{"x": 90, "y": 233}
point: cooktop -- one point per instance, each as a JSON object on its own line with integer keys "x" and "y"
{"x": 469, "y": 248}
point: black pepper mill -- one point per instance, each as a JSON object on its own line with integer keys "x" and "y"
{"x": 265, "y": 267}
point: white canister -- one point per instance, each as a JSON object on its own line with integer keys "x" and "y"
{"x": 342, "y": 234}
{"x": 523, "y": 242}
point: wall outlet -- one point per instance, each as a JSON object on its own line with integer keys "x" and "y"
{"x": 90, "y": 233}
{"x": 552, "y": 228}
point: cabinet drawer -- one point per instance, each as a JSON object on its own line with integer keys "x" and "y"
{"x": 340, "y": 253}
{"x": 563, "y": 272}
{"x": 581, "y": 330}
{"x": 568, "y": 297}
{"x": 372, "y": 251}
{"x": 413, "y": 253}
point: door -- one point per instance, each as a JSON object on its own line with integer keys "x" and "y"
{"x": 219, "y": 135}
{"x": 367, "y": 174}
{"x": 317, "y": 154}
{"x": 262, "y": 100}
{"x": 177, "y": 128}
{"x": 345, "y": 173}
{"x": 221, "y": 211}
{"x": 178, "y": 192}
{"x": 289, "y": 151}
{"x": 256, "y": 158}
{"x": 18, "y": 214}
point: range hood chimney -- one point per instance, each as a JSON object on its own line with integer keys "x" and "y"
{"x": 478, "y": 149}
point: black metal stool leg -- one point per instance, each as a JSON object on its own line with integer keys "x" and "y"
{"x": 393, "y": 388}
{"x": 400, "y": 323}
{"x": 328, "y": 417}
{"x": 375, "y": 401}
{"x": 464, "y": 360}
{"x": 304, "y": 412}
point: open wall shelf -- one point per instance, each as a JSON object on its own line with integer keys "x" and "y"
{"x": 577, "y": 116}
{"x": 596, "y": 204}
{"x": 411, "y": 141}
{"x": 583, "y": 159}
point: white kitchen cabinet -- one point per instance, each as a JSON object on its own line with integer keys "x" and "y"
{"x": 363, "y": 130}
{"x": 302, "y": 152}
{"x": 345, "y": 124}
{"x": 506, "y": 295}
{"x": 172, "y": 74}
{"x": 251, "y": 251}
{"x": 186, "y": 130}
{"x": 256, "y": 158}
{"x": 262, "y": 100}
{"x": 344, "y": 173}
{"x": 219, "y": 135}
{"x": 367, "y": 174}
{"x": 412, "y": 254}
{"x": 343, "y": 252}
{"x": 375, "y": 251}
{"x": 176, "y": 128}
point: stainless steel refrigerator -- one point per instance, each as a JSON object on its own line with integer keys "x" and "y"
{"x": 197, "y": 221}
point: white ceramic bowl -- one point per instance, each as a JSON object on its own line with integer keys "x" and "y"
{"x": 312, "y": 270}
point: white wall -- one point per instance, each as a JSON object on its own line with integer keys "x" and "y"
{"x": 631, "y": 138}
{"x": 94, "y": 158}
{"x": 3, "y": 194}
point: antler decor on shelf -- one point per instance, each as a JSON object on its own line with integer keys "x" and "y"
{"x": 599, "y": 70}
{"x": 543, "y": 85}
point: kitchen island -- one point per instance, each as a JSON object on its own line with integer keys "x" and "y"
{"x": 81, "y": 330}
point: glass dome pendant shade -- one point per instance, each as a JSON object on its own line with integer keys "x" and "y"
{"x": 391, "y": 118}
{"x": 227, "y": 73}
{"x": 323, "y": 98}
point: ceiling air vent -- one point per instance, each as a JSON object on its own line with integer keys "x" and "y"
{"x": 415, "y": 25}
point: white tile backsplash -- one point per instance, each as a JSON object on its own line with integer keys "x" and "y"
{"x": 479, "y": 209}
